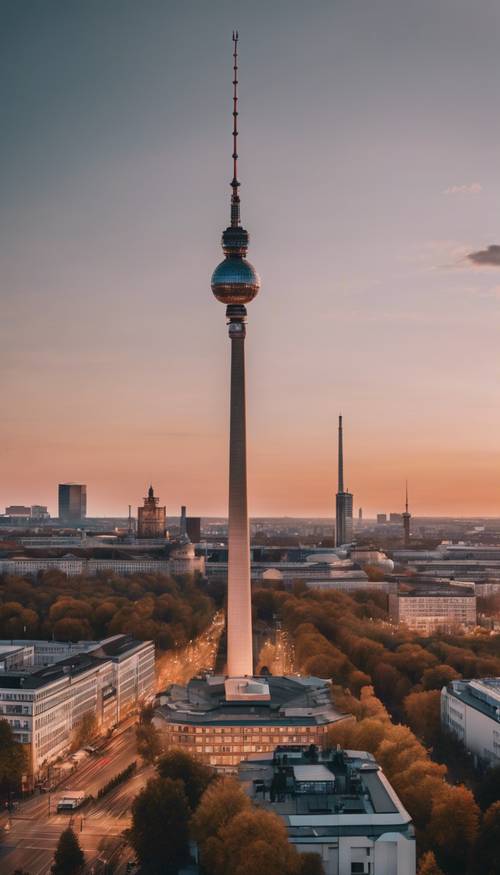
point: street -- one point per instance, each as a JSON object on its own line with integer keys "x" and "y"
{"x": 29, "y": 841}
{"x": 29, "y": 838}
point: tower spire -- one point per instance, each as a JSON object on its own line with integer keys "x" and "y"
{"x": 341, "y": 458}
{"x": 406, "y": 503}
{"x": 235, "y": 198}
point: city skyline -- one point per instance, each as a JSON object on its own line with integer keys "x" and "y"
{"x": 390, "y": 302}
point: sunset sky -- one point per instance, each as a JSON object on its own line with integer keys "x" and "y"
{"x": 369, "y": 138}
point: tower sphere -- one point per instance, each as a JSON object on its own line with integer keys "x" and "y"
{"x": 235, "y": 281}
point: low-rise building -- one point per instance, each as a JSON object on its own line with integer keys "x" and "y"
{"x": 44, "y": 705}
{"x": 213, "y": 721}
{"x": 338, "y": 804}
{"x": 471, "y": 711}
{"x": 75, "y": 565}
{"x": 434, "y": 609}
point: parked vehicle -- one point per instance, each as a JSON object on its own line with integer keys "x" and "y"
{"x": 71, "y": 799}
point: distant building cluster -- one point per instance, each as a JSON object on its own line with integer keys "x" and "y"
{"x": 48, "y": 687}
{"x": 427, "y": 610}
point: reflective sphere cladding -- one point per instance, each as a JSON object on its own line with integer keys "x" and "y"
{"x": 235, "y": 281}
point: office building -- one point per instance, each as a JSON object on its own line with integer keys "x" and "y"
{"x": 337, "y": 804}
{"x": 427, "y": 610}
{"x": 151, "y": 518}
{"x": 44, "y": 702}
{"x": 39, "y": 512}
{"x": 343, "y": 500}
{"x": 381, "y": 519}
{"x": 72, "y": 502}
{"x": 18, "y": 510}
{"x": 193, "y": 529}
{"x": 471, "y": 711}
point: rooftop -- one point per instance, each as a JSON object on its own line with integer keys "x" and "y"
{"x": 291, "y": 701}
{"x": 483, "y": 695}
{"x": 323, "y": 794}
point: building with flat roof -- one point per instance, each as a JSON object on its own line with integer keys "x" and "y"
{"x": 338, "y": 804}
{"x": 434, "y": 609}
{"x": 216, "y": 720}
{"x": 72, "y": 502}
{"x": 471, "y": 711}
{"x": 45, "y": 703}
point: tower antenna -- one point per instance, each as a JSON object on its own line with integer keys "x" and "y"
{"x": 235, "y": 198}
{"x": 406, "y": 506}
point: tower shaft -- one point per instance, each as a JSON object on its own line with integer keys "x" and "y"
{"x": 343, "y": 501}
{"x": 239, "y": 599}
{"x": 341, "y": 458}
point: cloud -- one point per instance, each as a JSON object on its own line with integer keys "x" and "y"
{"x": 473, "y": 188}
{"x": 489, "y": 256}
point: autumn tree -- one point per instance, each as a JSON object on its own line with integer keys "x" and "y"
{"x": 221, "y": 801}
{"x": 147, "y": 741}
{"x": 423, "y": 712}
{"x": 453, "y": 826}
{"x": 487, "y": 849}
{"x": 195, "y": 776}
{"x": 428, "y": 865}
{"x": 488, "y": 790}
{"x": 12, "y": 760}
{"x": 438, "y": 676}
{"x": 256, "y": 841}
{"x": 159, "y": 833}
{"x": 69, "y": 858}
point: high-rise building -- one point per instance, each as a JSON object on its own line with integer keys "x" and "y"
{"x": 193, "y": 529}
{"x": 381, "y": 519}
{"x": 151, "y": 519}
{"x": 235, "y": 283}
{"x": 406, "y": 516}
{"x": 343, "y": 502}
{"x": 72, "y": 502}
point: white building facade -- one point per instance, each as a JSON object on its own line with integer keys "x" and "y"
{"x": 429, "y": 611}
{"x": 471, "y": 711}
{"x": 339, "y": 805}
{"x": 44, "y": 706}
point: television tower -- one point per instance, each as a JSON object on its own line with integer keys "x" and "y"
{"x": 406, "y": 520}
{"x": 235, "y": 283}
{"x": 343, "y": 502}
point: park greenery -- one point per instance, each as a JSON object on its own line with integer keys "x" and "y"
{"x": 13, "y": 762}
{"x": 68, "y": 858}
{"x": 390, "y": 680}
{"x": 148, "y": 606}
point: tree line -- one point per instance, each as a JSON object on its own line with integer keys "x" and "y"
{"x": 187, "y": 800}
{"x": 169, "y": 611}
{"x": 389, "y": 677}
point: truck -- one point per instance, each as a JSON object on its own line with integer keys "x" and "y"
{"x": 71, "y": 800}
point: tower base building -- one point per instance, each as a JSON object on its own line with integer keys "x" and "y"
{"x": 222, "y": 721}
